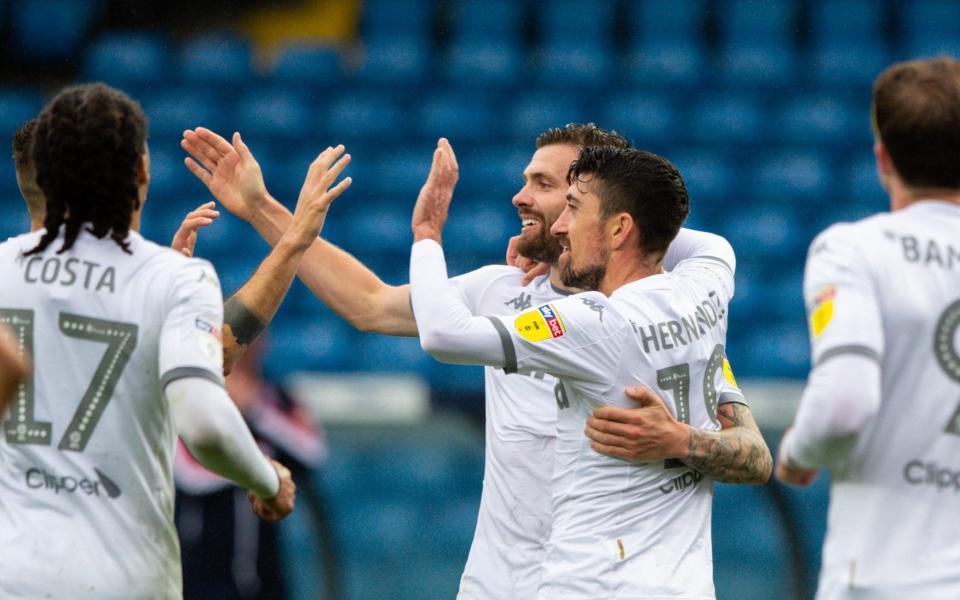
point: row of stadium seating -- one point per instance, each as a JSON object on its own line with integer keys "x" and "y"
{"x": 55, "y": 29}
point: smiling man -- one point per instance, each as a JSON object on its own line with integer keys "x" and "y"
{"x": 620, "y": 529}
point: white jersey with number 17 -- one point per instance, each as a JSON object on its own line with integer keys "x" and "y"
{"x": 86, "y": 481}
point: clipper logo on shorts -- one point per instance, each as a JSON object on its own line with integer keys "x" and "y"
{"x": 822, "y": 312}
{"x": 541, "y": 324}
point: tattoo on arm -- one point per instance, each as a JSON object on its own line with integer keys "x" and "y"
{"x": 735, "y": 454}
{"x": 245, "y": 325}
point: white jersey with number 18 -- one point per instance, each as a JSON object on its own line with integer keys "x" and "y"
{"x": 888, "y": 288}
{"x": 86, "y": 482}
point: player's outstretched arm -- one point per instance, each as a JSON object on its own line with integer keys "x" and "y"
{"x": 339, "y": 280}
{"x": 13, "y": 368}
{"x": 212, "y": 428}
{"x": 249, "y": 310}
{"x": 735, "y": 454}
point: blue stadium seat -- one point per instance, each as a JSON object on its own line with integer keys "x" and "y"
{"x": 463, "y": 383}
{"x": 481, "y": 228}
{"x": 307, "y": 346}
{"x": 851, "y": 20}
{"x": 846, "y": 64}
{"x": 752, "y": 64}
{"x": 824, "y": 120}
{"x": 365, "y": 117}
{"x": 127, "y": 59}
{"x": 572, "y": 19}
{"x": 808, "y": 516}
{"x": 675, "y": 63}
{"x": 712, "y": 182}
{"x": 779, "y": 349}
{"x": 531, "y": 114}
{"x": 671, "y": 20}
{"x": 929, "y": 19}
{"x": 16, "y": 219}
{"x": 785, "y": 296}
{"x": 861, "y": 184}
{"x": 645, "y": 118}
{"x": 389, "y": 354}
{"x": 932, "y": 46}
{"x": 308, "y": 65}
{"x": 173, "y": 110}
{"x": 216, "y": 60}
{"x": 383, "y": 226}
{"x": 566, "y": 64}
{"x": 52, "y": 30}
{"x": 483, "y": 63}
{"x": 769, "y": 230}
{"x": 755, "y": 20}
{"x": 409, "y": 18}
{"x": 277, "y": 113}
{"x": 17, "y": 106}
{"x": 749, "y": 544}
{"x": 394, "y": 61}
{"x": 170, "y": 181}
{"x": 727, "y": 119}
{"x": 378, "y": 529}
{"x": 492, "y": 173}
{"x": 495, "y": 21}
{"x": 803, "y": 177}
{"x": 401, "y": 174}
{"x": 460, "y": 117}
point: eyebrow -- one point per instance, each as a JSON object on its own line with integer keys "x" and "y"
{"x": 537, "y": 175}
{"x": 572, "y": 198}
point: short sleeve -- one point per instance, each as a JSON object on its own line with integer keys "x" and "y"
{"x": 580, "y": 337}
{"x": 841, "y": 299}
{"x": 191, "y": 344}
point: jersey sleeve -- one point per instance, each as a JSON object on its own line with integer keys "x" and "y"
{"x": 841, "y": 299}
{"x": 580, "y": 337}
{"x": 705, "y": 256}
{"x": 190, "y": 340}
{"x": 727, "y": 388}
{"x": 471, "y": 287}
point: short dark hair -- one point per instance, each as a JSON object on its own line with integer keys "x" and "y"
{"x": 86, "y": 149}
{"x": 916, "y": 114}
{"x": 582, "y": 135}
{"x": 640, "y": 183}
{"x": 23, "y": 145}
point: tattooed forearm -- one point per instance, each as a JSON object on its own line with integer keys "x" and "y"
{"x": 244, "y": 324}
{"x": 735, "y": 454}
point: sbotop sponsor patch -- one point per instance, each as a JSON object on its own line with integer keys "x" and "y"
{"x": 541, "y": 324}
{"x": 822, "y": 312}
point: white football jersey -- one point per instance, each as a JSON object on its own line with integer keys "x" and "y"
{"x": 86, "y": 482}
{"x": 513, "y": 523}
{"x": 888, "y": 288}
{"x": 620, "y": 529}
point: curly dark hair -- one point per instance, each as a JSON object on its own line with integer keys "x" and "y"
{"x": 641, "y": 183}
{"x": 583, "y": 135}
{"x": 86, "y": 150}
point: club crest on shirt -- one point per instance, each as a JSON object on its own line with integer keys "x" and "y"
{"x": 822, "y": 311}
{"x": 541, "y": 324}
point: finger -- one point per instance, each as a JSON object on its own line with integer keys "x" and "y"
{"x": 325, "y": 159}
{"x": 195, "y": 168}
{"x": 613, "y": 451}
{"x": 334, "y": 192}
{"x": 331, "y": 175}
{"x": 196, "y": 150}
{"x": 451, "y": 156}
{"x": 512, "y": 254}
{"x": 605, "y": 438}
{"x": 186, "y": 252}
{"x": 643, "y": 396}
{"x": 206, "y": 213}
{"x": 615, "y": 413}
{"x": 625, "y": 431}
{"x": 191, "y": 225}
{"x": 241, "y": 147}
{"x": 213, "y": 140}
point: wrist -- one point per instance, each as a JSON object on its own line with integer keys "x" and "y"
{"x": 426, "y": 232}
{"x": 272, "y": 490}
{"x": 680, "y": 448}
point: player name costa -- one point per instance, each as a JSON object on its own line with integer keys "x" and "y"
{"x": 69, "y": 272}
{"x": 667, "y": 335}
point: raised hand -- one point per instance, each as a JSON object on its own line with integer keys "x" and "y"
{"x": 185, "y": 239}
{"x": 230, "y": 172}
{"x": 433, "y": 203}
{"x": 281, "y": 505}
{"x": 531, "y": 268}
{"x": 316, "y": 195}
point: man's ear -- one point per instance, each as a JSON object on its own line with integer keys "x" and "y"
{"x": 885, "y": 168}
{"x": 143, "y": 170}
{"x": 620, "y": 228}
